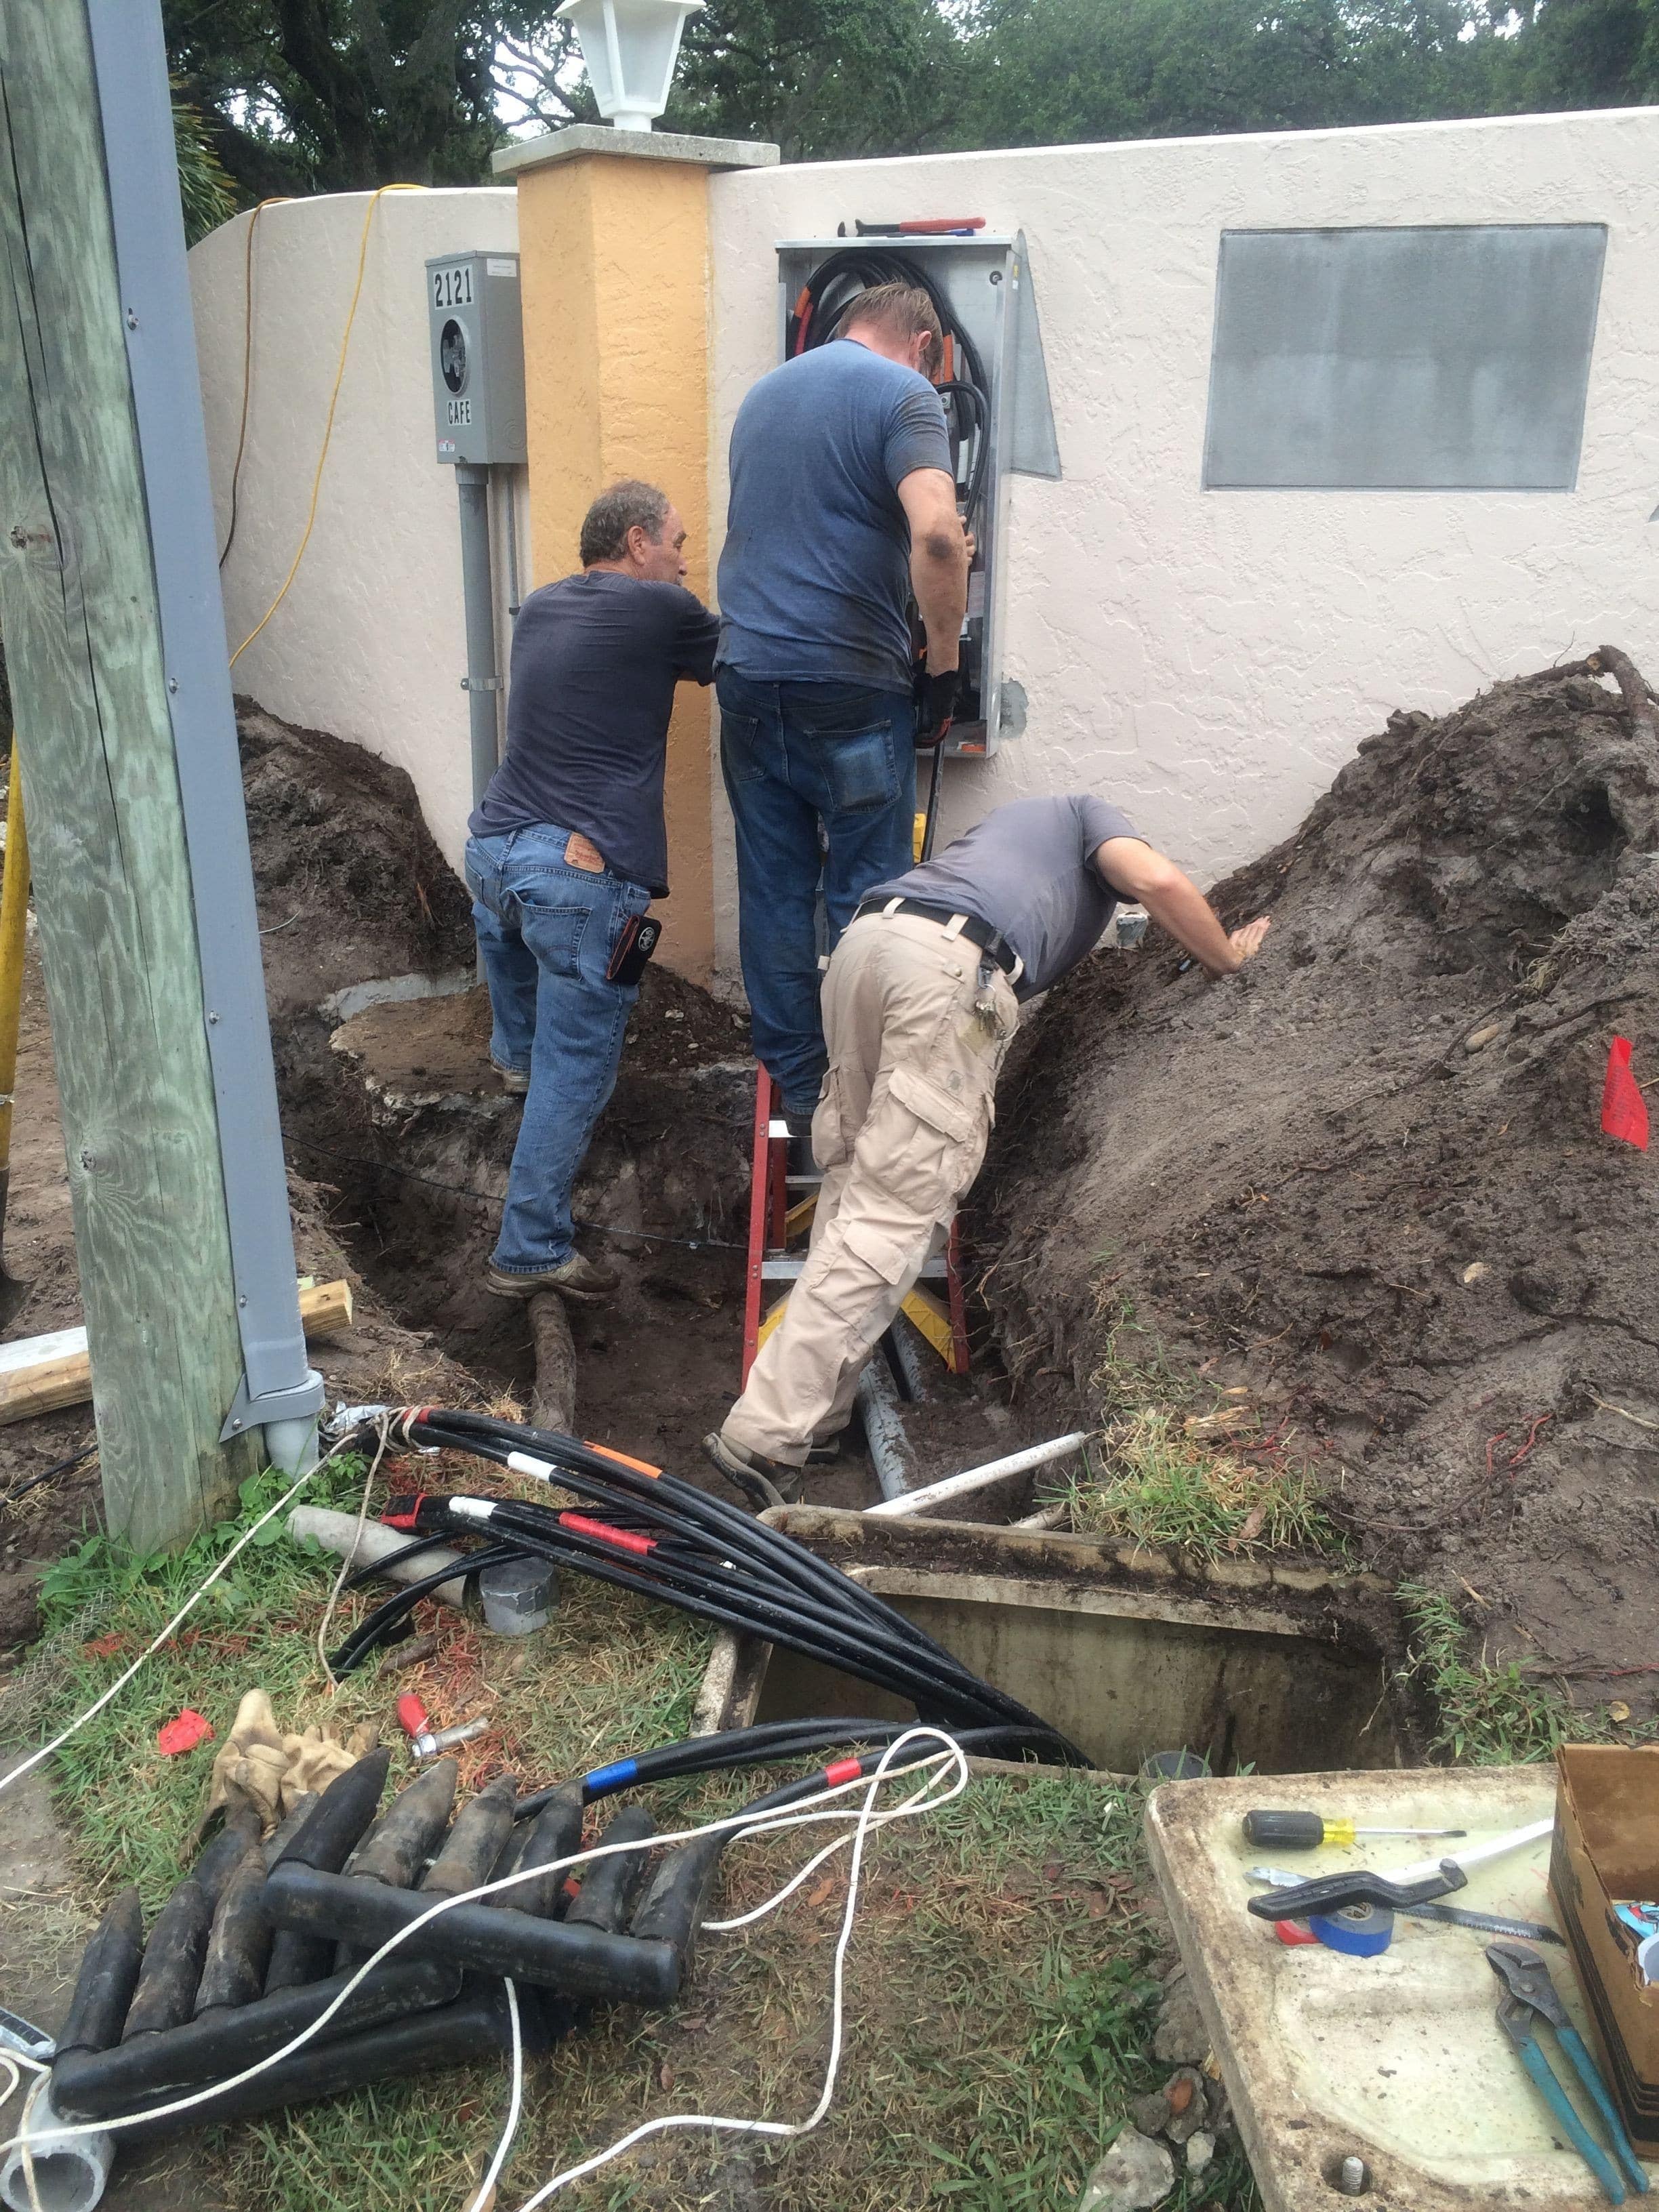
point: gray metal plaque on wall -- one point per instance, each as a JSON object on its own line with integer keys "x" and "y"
{"x": 1436, "y": 359}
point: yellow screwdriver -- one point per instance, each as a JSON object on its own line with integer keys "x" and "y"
{"x": 1306, "y": 1832}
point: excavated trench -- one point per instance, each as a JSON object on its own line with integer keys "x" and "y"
{"x": 395, "y": 1118}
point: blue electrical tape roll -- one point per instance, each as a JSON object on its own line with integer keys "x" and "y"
{"x": 1359, "y": 1930}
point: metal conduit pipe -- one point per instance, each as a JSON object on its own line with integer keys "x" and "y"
{"x": 483, "y": 679}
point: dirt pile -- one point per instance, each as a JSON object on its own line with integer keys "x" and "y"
{"x": 350, "y": 885}
{"x": 1366, "y": 1178}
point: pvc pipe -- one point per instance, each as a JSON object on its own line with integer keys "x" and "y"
{"x": 338, "y": 1533}
{"x": 69, "y": 2174}
{"x": 976, "y": 1478}
{"x": 291, "y": 1446}
{"x": 883, "y": 1431}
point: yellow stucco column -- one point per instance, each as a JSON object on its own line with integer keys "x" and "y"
{"x": 613, "y": 254}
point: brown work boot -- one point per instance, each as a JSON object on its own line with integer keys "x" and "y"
{"x": 763, "y": 1481}
{"x": 515, "y": 1080}
{"x": 585, "y": 1282}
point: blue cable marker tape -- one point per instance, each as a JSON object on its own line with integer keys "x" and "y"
{"x": 1360, "y": 1932}
{"x": 617, "y": 1775}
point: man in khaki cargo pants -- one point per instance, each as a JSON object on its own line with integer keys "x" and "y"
{"x": 920, "y": 1003}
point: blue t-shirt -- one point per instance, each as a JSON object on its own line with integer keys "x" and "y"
{"x": 815, "y": 573}
{"x": 595, "y": 661}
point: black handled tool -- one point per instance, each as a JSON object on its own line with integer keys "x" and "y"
{"x": 1306, "y": 1832}
{"x": 1330, "y": 1893}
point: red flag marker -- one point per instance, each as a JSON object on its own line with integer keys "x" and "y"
{"x": 1624, "y": 1109}
{"x": 183, "y": 1733}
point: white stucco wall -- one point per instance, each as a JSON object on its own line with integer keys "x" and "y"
{"x": 369, "y": 643}
{"x": 1209, "y": 659}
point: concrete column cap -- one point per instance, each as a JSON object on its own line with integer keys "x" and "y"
{"x": 579, "y": 138}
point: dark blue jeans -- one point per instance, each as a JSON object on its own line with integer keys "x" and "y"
{"x": 795, "y": 755}
{"x": 547, "y": 932}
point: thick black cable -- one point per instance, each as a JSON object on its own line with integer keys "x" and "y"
{"x": 663, "y": 1496}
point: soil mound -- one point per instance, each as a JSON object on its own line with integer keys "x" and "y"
{"x": 350, "y": 884}
{"x": 1366, "y": 1177}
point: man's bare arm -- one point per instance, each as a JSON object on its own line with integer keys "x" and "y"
{"x": 1176, "y": 904}
{"x": 939, "y": 563}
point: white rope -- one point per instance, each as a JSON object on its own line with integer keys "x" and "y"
{"x": 350, "y": 1558}
{"x": 24, "y": 1765}
{"x": 741, "y": 1825}
{"x": 486, "y": 2191}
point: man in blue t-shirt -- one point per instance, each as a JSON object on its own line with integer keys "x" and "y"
{"x": 842, "y": 509}
{"x": 569, "y": 848}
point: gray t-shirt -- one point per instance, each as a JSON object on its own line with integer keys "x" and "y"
{"x": 815, "y": 572}
{"x": 1028, "y": 869}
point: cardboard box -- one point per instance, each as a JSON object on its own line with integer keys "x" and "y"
{"x": 1605, "y": 1850}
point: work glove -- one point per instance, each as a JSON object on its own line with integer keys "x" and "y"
{"x": 936, "y": 702}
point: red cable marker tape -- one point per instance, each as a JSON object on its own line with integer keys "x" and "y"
{"x": 408, "y": 1520}
{"x": 624, "y": 1539}
{"x": 1624, "y": 1109}
{"x": 843, "y": 1770}
{"x": 183, "y": 1733}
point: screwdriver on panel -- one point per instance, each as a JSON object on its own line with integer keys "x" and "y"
{"x": 1306, "y": 1832}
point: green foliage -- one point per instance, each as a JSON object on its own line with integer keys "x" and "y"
{"x": 1164, "y": 1489}
{"x": 330, "y": 95}
{"x": 208, "y": 195}
{"x": 1488, "y": 1716}
{"x": 826, "y": 80}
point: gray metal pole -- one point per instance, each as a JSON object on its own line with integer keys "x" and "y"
{"x": 280, "y": 1390}
{"x": 483, "y": 680}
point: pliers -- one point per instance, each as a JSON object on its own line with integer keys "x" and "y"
{"x": 1531, "y": 1995}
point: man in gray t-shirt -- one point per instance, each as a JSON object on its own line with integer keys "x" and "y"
{"x": 919, "y": 1006}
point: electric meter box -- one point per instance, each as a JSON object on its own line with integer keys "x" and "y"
{"x": 985, "y": 283}
{"x": 477, "y": 357}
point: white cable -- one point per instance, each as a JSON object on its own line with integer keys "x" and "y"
{"x": 484, "y": 2196}
{"x": 350, "y": 1558}
{"x": 742, "y": 1824}
{"x": 25, "y": 1765}
{"x": 785, "y": 2129}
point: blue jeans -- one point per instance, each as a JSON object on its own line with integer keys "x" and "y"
{"x": 547, "y": 932}
{"x": 795, "y": 755}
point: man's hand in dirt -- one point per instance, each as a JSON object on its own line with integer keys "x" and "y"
{"x": 1249, "y": 940}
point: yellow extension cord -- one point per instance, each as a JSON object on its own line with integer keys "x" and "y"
{"x": 328, "y": 427}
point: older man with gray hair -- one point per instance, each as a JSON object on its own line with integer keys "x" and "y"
{"x": 567, "y": 848}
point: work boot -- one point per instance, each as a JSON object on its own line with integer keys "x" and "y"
{"x": 513, "y": 1079}
{"x": 763, "y": 1481}
{"x": 582, "y": 1281}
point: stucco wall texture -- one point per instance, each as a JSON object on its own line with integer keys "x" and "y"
{"x": 369, "y": 643}
{"x": 1210, "y": 658}
{"x": 615, "y": 270}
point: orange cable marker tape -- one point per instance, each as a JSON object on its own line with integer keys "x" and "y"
{"x": 639, "y": 1466}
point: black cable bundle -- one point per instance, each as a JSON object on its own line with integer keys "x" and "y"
{"x": 665, "y": 1539}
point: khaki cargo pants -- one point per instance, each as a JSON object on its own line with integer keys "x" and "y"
{"x": 902, "y": 1122}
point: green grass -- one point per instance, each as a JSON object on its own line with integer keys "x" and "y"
{"x": 999, "y": 2001}
{"x": 1501, "y": 1716}
{"x": 1153, "y": 1482}
{"x": 999, "y": 2019}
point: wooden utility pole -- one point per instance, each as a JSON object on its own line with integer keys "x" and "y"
{"x": 118, "y": 938}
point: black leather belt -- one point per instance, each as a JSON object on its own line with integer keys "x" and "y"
{"x": 991, "y": 942}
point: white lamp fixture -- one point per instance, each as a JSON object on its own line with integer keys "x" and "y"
{"x": 630, "y": 47}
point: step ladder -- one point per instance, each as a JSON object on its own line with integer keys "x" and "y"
{"x": 781, "y": 1209}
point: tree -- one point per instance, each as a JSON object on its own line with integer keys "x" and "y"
{"x": 208, "y": 196}
{"x": 340, "y": 96}
{"x": 826, "y": 80}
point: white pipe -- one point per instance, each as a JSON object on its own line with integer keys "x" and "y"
{"x": 70, "y": 2170}
{"x": 338, "y": 1533}
{"x": 976, "y": 1478}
